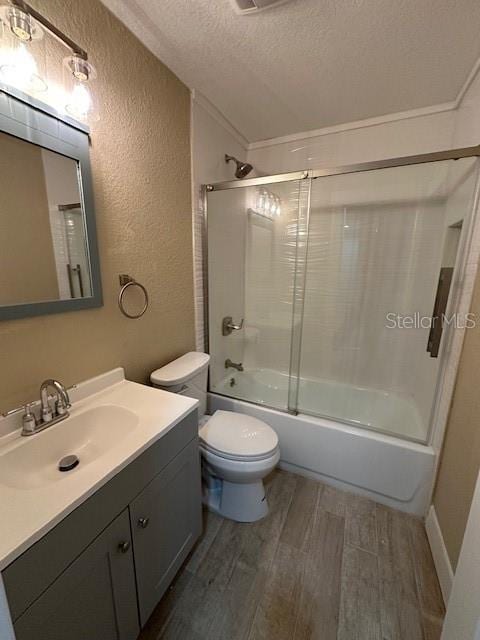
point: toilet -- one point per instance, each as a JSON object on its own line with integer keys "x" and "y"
{"x": 237, "y": 450}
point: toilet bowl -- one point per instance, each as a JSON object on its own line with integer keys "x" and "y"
{"x": 237, "y": 451}
{"x": 240, "y": 451}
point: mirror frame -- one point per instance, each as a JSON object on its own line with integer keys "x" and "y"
{"x": 30, "y": 120}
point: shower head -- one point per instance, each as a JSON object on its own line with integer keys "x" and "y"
{"x": 243, "y": 168}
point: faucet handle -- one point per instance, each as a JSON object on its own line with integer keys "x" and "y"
{"x": 228, "y": 326}
{"x": 62, "y": 405}
{"x": 29, "y": 420}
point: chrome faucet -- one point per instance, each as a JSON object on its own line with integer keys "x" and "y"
{"x": 48, "y": 416}
{"x": 234, "y": 365}
{"x": 62, "y": 403}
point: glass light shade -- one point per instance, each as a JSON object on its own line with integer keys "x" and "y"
{"x": 22, "y": 61}
{"x": 19, "y": 69}
{"x": 82, "y": 70}
{"x": 79, "y": 102}
{"x": 77, "y": 82}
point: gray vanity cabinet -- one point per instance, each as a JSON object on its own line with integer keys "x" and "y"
{"x": 100, "y": 572}
{"x": 94, "y": 598}
{"x": 166, "y": 520}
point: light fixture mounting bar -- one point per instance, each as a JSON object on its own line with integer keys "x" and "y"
{"x": 51, "y": 28}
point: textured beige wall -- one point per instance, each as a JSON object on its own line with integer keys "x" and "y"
{"x": 27, "y": 262}
{"x": 141, "y": 179}
{"x": 460, "y": 461}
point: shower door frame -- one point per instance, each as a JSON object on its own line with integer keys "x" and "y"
{"x": 455, "y": 293}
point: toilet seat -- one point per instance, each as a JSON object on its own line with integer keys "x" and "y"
{"x": 235, "y": 436}
{"x": 236, "y": 458}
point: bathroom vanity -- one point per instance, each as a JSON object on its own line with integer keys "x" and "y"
{"x": 90, "y": 552}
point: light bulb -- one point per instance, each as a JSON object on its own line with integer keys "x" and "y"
{"x": 278, "y": 209}
{"x": 19, "y": 69}
{"x": 272, "y": 205}
{"x": 79, "y": 102}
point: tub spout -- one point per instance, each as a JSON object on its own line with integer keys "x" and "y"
{"x": 234, "y": 365}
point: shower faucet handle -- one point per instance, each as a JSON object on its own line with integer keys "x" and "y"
{"x": 228, "y": 326}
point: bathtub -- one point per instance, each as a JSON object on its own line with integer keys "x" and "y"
{"x": 388, "y": 469}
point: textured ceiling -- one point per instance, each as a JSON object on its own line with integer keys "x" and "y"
{"x": 311, "y": 63}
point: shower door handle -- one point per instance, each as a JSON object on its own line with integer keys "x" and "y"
{"x": 228, "y": 326}
{"x": 439, "y": 308}
{"x": 80, "y": 280}
{"x": 70, "y": 280}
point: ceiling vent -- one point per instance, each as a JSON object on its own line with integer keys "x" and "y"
{"x": 244, "y": 7}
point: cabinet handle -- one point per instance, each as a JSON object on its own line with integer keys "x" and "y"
{"x": 143, "y": 522}
{"x": 123, "y": 547}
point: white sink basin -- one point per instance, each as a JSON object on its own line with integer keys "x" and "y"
{"x": 89, "y": 435}
{"x": 112, "y": 421}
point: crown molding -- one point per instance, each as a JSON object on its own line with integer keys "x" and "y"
{"x": 359, "y": 124}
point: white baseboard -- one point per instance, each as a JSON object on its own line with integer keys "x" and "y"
{"x": 439, "y": 553}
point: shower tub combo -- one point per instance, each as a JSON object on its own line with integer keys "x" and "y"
{"x": 302, "y": 273}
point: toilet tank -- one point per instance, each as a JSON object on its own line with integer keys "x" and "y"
{"x": 186, "y": 375}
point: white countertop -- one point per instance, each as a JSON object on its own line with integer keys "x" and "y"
{"x": 29, "y": 513}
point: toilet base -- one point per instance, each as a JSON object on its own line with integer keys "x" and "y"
{"x": 245, "y": 502}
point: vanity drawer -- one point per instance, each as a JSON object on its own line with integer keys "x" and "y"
{"x": 30, "y": 574}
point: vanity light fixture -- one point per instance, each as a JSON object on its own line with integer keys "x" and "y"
{"x": 267, "y": 204}
{"x": 22, "y": 26}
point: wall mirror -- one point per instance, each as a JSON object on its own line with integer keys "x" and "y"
{"x": 48, "y": 249}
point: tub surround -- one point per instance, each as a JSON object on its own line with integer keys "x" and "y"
{"x": 28, "y": 514}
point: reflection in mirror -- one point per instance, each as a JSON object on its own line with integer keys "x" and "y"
{"x": 43, "y": 248}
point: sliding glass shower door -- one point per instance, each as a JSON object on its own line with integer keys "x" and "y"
{"x": 257, "y": 241}
{"x": 326, "y": 294}
{"x": 382, "y": 248}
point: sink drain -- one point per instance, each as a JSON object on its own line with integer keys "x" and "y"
{"x": 68, "y": 463}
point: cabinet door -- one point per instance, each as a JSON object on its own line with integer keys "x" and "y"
{"x": 166, "y": 521}
{"x": 93, "y": 598}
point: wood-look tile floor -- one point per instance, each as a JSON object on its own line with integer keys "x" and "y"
{"x": 324, "y": 564}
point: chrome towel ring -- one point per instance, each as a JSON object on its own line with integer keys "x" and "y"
{"x": 125, "y": 282}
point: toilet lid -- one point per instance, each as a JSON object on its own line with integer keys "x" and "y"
{"x": 236, "y": 434}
